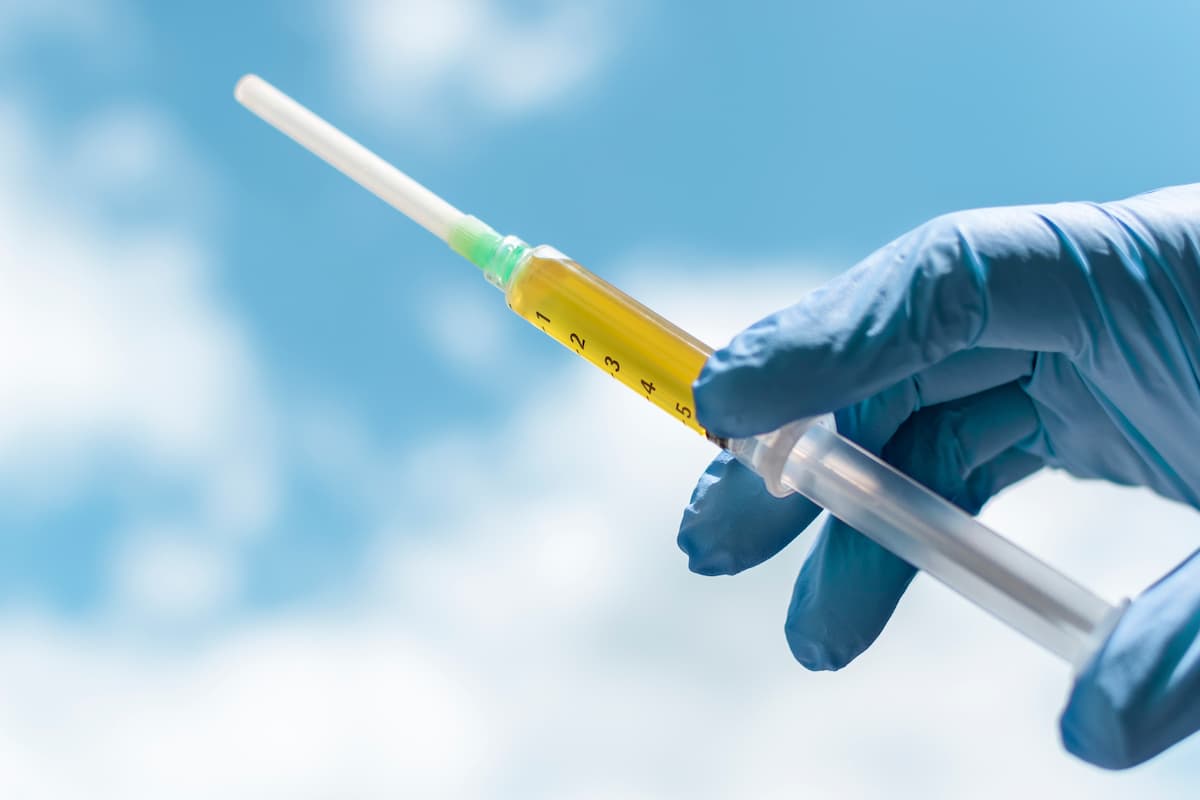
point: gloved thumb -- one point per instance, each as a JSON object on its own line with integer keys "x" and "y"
{"x": 998, "y": 278}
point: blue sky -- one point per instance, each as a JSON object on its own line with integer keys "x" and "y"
{"x": 262, "y": 440}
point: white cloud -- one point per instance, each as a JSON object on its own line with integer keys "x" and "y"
{"x": 168, "y": 576}
{"x": 115, "y": 343}
{"x": 410, "y": 61}
{"x": 683, "y": 683}
{"x": 121, "y": 371}
{"x": 537, "y": 635}
{"x": 309, "y": 711}
{"x": 465, "y": 330}
{"x": 131, "y": 155}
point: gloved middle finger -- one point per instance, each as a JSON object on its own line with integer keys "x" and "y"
{"x": 849, "y": 586}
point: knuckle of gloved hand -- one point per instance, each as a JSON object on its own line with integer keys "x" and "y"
{"x": 947, "y": 287}
{"x": 749, "y": 347}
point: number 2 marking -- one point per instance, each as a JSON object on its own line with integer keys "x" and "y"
{"x": 578, "y": 341}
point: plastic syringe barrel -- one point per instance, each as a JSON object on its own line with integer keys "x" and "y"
{"x": 931, "y": 534}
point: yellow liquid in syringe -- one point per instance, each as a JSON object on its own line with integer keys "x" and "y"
{"x": 610, "y": 329}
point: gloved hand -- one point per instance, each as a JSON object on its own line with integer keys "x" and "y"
{"x": 970, "y": 353}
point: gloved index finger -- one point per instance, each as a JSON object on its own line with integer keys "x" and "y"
{"x": 997, "y": 278}
{"x": 732, "y": 523}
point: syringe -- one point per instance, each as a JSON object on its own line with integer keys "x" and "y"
{"x": 659, "y": 361}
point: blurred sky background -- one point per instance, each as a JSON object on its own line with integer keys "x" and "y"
{"x": 290, "y": 504}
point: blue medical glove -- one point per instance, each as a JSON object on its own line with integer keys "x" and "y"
{"x": 970, "y": 353}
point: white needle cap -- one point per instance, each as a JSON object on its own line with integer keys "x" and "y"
{"x": 360, "y": 164}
